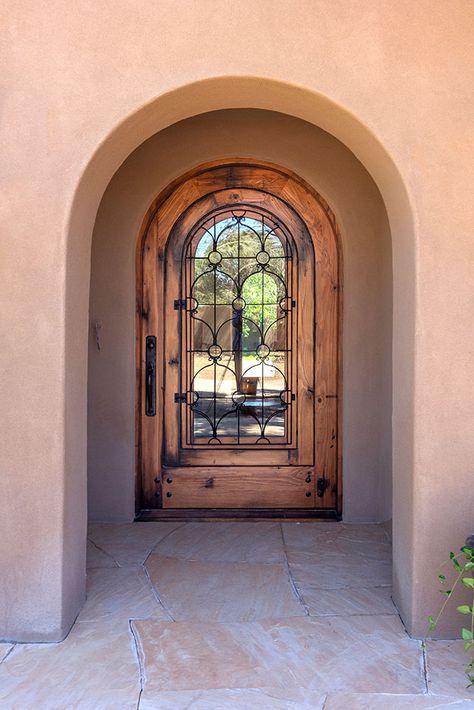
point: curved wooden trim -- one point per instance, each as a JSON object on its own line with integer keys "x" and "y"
{"x": 275, "y": 180}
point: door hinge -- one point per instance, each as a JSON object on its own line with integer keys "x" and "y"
{"x": 179, "y": 304}
{"x": 178, "y": 398}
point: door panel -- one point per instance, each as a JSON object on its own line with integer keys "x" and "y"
{"x": 238, "y": 487}
{"x": 244, "y": 294}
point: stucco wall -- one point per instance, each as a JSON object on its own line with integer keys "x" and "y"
{"x": 83, "y": 85}
{"x": 340, "y": 178}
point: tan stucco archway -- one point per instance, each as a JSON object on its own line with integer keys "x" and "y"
{"x": 52, "y": 547}
{"x": 213, "y": 94}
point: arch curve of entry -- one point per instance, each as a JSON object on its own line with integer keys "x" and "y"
{"x": 119, "y": 140}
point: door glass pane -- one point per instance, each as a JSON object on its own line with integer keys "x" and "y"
{"x": 238, "y": 331}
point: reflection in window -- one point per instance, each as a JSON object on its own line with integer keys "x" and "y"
{"x": 237, "y": 331}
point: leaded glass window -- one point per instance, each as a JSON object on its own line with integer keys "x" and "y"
{"x": 238, "y": 332}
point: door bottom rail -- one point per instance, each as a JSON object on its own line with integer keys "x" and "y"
{"x": 296, "y": 514}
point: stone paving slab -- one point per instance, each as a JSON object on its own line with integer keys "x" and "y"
{"x": 95, "y": 667}
{"x": 347, "y": 601}
{"x": 129, "y": 544}
{"x": 120, "y": 593}
{"x": 360, "y": 654}
{"x": 383, "y": 701}
{"x": 269, "y": 616}
{"x": 223, "y": 591}
{"x": 446, "y": 662}
{"x": 244, "y": 541}
{"x": 235, "y": 699}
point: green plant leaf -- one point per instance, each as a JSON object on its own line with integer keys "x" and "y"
{"x": 467, "y": 645}
{"x": 446, "y": 592}
{"x": 455, "y": 562}
{"x": 442, "y": 578}
{"x": 469, "y": 565}
{"x": 468, "y": 551}
{"x": 464, "y": 609}
{"x": 466, "y": 634}
{"x": 468, "y": 582}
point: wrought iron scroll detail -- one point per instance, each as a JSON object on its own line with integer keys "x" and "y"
{"x": 238, "y": 332}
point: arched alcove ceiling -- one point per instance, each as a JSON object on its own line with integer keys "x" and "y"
{"x": 243, "y": 92}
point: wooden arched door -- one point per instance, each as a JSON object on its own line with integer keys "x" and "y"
{"x": 238, "y": 346}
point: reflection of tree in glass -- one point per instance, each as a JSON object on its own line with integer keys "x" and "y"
{"x": 239, "y": 274}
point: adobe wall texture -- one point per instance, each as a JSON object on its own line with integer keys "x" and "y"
{"x": 338, "y": 176}
{"x": 84, "y": 85}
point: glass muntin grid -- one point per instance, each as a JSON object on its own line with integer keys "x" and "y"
{"x": 238, "y": 332}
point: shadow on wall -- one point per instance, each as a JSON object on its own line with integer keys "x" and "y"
{"x": 336, "y": 174}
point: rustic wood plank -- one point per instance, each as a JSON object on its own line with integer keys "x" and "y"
{"x": 260, "y": 487}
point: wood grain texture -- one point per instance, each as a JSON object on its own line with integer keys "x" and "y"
{"x": 319, "y": 399}
{"x": 237, "y": 487}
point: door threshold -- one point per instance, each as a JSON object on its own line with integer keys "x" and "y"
{"x": 208, "y": 514}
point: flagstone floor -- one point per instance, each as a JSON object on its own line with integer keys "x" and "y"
{"x": 238, "y": 615}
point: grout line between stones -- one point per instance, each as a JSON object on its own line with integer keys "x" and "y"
{"x": 424, "y": 661}
{"x": 139, "y": 655}
{"x": 103, "y": 551}
{"x": 155, "y": 593}
{"x": 4, "y": 658}
{"x": 158, "y": 542}
{"x": 292, "y": 583}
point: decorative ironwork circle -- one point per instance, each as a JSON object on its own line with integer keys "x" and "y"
{"x": 214, "y": 258}
{"x": 239, "y": 398}
{"x": 239, "y": 280}
{"x": 262, "y": 258}
{"x": 263, "y": 351}
{"x": 192, "y": 398}
{"x": 238, "y": 304}
{"x": 215, "y": 350}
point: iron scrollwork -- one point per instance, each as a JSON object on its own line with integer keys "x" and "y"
{"x": 238, "y": 331}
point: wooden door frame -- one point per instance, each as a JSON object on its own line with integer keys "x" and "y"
{"x": 154, "y": 234}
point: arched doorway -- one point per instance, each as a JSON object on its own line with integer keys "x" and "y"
{"x": 238, "y": 294}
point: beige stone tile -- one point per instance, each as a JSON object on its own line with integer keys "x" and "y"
{"x": 312, "y": 548}
{"x": 357, "y": 654}
{"x": 348, "y": 601}
{"x": 235, "y": 699}
{"x": 309, "y": 536}
{"x": 129, "y": 544}
{"x": 121, "y": 593}
{"x": 383, "y": 701}
{"x": 340, "y": 571}
{"x": 225, "y": 542}
{"x": 186, "y": 656}
{"x": 97, "y": 558}
{"x": 223, "y": 591}
{"x": 446, "y": 662}
{"x": 95, "y": 667}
